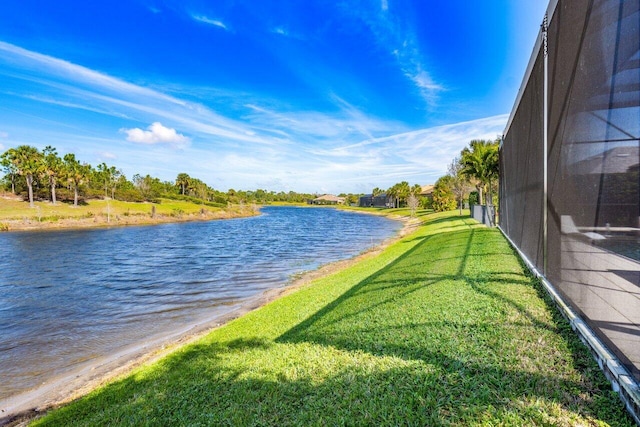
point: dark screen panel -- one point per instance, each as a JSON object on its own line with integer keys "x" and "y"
{"x": 593, "y": 193}
{"x": 522, "y": 206}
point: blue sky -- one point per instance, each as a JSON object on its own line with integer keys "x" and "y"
{"x": 310, "y": 96}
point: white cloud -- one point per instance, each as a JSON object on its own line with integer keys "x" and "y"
{"x": 107, "y": 155}
{"x": 287, "y": 32}
{"x": 209, "y": 21}
{"x": 419, "y": 156}
{"x": 424, "y": 81}
{"x": 156, "y": 134}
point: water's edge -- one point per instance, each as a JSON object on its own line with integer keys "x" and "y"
{"x": 96, "y": 372}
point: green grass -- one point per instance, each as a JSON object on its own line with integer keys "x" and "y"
{"x": 14, "y": 211}
{"x": 17, "y": 209}
{"x": 401, "y": 212}
{"x": 442, "y": 328}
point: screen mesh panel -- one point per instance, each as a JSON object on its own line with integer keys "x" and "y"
{"x": 521, "y": 207}
{"x": 593, "y": 192}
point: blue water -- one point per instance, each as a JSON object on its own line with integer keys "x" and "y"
{"x": 68, "y": 297}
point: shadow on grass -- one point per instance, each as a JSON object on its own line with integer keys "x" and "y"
{"x": 431, "y": 339}
{"x": 466, "y": 348}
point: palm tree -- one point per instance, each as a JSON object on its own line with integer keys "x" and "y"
{"x": 76, "y": 174}
{"x": 52, "y": 169}
{"x": 416, "y": 190}
{"x": 375, "y": 193}
{"x": 183, "y": 181}
{"x": 480, "y": 165}
{"x": 459, "y": 183}
{"x": 27, "y": 161}
{"x": 392, "y": 193}
{"x": 109, "y": 178}
{"x": 9, "y": 169}
{"x": 403, "y": 192}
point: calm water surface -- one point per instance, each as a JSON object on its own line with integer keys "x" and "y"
{"x": 68, "y": 297}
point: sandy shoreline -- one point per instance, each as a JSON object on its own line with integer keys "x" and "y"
{"x": 17, "y": 410}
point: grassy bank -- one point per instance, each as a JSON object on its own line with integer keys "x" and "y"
{"x": 16, "y": 214}
{"x": 442, "y": 328}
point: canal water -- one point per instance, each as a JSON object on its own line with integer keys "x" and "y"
{"x": 69, "y": 297}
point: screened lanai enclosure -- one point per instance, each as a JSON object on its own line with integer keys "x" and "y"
{"x": 569, "y": 179}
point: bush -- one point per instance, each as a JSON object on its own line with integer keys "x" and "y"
{"x": 426, "y": 202}
{"x": 92, "y": 193}
{"x": 66, "y": 195}
{"x": 42, "y": 194}
{"x": 473, "y": 198}
{"x": 129, "y": 195}
{"x": 443, "y": 197}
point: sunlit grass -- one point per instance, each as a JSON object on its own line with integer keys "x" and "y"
{"x": 442, "y": 328}
{"x": 16, "y": 209}
{"x": 401, "y": 212}
{"x": 17, "y": 214}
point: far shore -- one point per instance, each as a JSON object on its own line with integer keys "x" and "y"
{"x": 32, "y": 224}
{"x": 16, "y": 215}
{"x": 17, "y": 410}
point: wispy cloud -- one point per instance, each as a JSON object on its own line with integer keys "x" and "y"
{"x": 74, "y": 86}
{"x": 210, "y": 21}
{"x": 157, "y": 134}
{"x": 280, "y": 30}
{"x": 423, "y": 154}
{"x": 287, "y": 32}
{"x": 399, "y": 39}
{"x": 348, "y": 124}
{"x": 107, "y": 155}
{"x": 258, "y": 143}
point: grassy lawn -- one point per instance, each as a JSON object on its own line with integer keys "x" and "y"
{"x": 17, "y": 209}
{"x": 442, "y": 328}
{"x": 15, "y": 213}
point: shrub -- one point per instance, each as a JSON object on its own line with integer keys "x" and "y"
{"x": 443, "y": 197}
{"x": 473, "y": 198}
{"x": 129, "y": 195}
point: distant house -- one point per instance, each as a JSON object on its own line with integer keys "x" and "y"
{"x": 427, "y": 190}
{"x": 384, "y": 201}
{"x": 379, "y": 201}
{"x": 327, "y": 199}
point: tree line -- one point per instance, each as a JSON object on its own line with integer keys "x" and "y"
{"x": 401, "y": 194}
{"x": 46, "y": 175}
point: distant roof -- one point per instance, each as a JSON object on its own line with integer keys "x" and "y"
{"x": 330, "y": 198}
{"x": 426, "y": 190}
